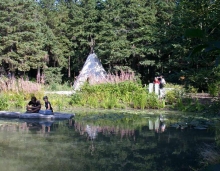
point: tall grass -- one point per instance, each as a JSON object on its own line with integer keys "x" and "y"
{"x": 58, "y": 87}
{"x": 15, "y": 92}
{"x": 118, "y": 95}
{"x": 19, "y": 85}
{"x": 4, "y": 103}
{"x": 110, "y": 78}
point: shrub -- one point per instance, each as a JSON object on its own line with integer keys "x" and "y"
{"x": 4, "y": 102}
{"x": 171, "y": 97}
{"x": 15, "y": 92}
{"x": 53, "y": 75}
{"x": 116, "y": 96}
{"x": 213, "y": 89}
{"x": 75, "y": 99}
{"x": 58, "y": 87}
{"x": 191, "y": 89}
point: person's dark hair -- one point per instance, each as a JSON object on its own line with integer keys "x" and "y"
{"x": 34, "y": 98}
{"x": 45, "y": 97}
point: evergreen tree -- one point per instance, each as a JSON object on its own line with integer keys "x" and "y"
{"x": 193, "y": 24}
{"x": 82, "y": 30}
{"x": 22, "y": 35}
{"x": 58, "y": 45}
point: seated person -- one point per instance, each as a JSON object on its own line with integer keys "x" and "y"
{"x": 33, "y": 106}
{"x": 49, "y": 109}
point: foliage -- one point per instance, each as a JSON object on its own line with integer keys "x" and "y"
{"x": 58, "y": 87}
{"x": 213, "y": 108}
{"x": 18, "y": 89}
{"x": 53, "y": 75}
{"x": 148, "y": 38}
{"x": 173, "y": 86}
{"x": 110, "y": 96}
{"x": 16, "y": 92}
{"x": 4, "y": 102}
{"x": 171, "y": 97}
{"x": 22, "y": 37}
{"x": 75, "y": 99}
{"x": 213, "y": 89}
{"x": 181, "y": 99}
{"x": 191, "y": 89}
{"x": 18, "y": 100}
{"x": 189, "y": 105}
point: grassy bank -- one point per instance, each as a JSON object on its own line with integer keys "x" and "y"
{"x": 15, "y": 94}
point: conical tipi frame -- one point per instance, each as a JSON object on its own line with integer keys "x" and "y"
{"x": 92, "y": 71}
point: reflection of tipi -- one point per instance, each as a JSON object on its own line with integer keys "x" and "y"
{"x": 92, "y": 71}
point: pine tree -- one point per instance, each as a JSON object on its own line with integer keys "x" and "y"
{"x": 59, "y": 44}
{"x": 82, "y": 30}
{"x": 22, "y": 35}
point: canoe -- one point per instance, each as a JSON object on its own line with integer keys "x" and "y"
{"x": 56, "y": 115}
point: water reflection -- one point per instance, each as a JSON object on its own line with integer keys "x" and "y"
{"x": 126, "y": 144}
{"x": 158, "y": 125}
{"x": 37, "y": 126}
{"x": 92, "y": 130}
{"x": 29, "y": 125}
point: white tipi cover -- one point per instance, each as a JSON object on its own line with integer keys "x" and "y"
{"x": 92, "y": 71}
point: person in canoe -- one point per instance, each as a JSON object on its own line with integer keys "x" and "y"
{"x": 33, "y": 106}
{"x": 49, "y": 109}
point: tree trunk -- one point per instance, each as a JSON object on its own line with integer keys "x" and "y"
{"x": 38, "y": 74}
{"x": 69, "y": 74}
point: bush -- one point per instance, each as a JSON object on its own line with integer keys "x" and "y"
{"x": 4, "y": 103}
{"x": 58, "y": 87}
{"x": 171, "y": 97}
{"x": 213, "y": 89}
{"x": 75, "y": 99}
{"x": 53, "y": 75}
{"x": 116, "y": 96}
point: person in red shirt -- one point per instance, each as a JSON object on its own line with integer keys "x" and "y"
{"x": 156, "y": 81}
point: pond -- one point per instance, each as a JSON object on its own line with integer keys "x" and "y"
{"x": 106, "y": 142}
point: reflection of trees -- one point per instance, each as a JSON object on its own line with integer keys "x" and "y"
{"x": 93, "y": 130}
{"x": 31, "y": 126}
{"x": 218, "y": 134}
{"x": 210, "y": 153}
{"x": 67, "y": 149}
{"x": 171, "y": 150}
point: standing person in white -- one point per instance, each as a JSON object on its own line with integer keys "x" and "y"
{"x": 161, "y": 86}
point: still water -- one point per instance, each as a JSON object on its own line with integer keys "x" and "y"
{"x": 105, "y": 142}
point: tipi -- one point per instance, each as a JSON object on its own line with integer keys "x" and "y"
{"x": 92, "y": 71}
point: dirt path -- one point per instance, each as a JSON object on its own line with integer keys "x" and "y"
{"x": 203, "y": 98}
{"x": 59, "y": 92}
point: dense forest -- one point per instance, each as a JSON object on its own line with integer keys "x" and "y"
{"x": 176, "y": 38}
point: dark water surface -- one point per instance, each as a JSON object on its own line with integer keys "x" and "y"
{"x": 105, "y": 142}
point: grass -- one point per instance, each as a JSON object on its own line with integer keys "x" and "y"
{"x": 120, "y": 95}
{"x": 15, "y": 94}
{"x": 58, "y": 87}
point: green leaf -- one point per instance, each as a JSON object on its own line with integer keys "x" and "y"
{"x": 194, "y": 33}
{"x": 198, "y": 49}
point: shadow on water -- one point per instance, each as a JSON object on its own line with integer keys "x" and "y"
{"x": 105, "y": 142}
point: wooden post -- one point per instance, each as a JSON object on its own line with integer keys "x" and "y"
{"x": 156, "y": 89}
{"x": 151, "y": 87}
